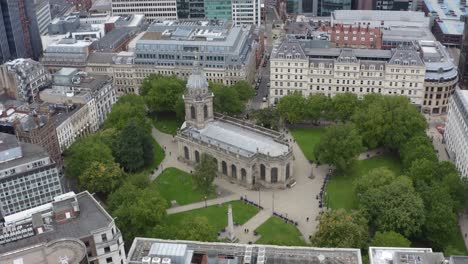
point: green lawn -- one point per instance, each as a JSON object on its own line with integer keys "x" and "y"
{"x": 166, "y": 122}
{"x": 456, "y": 243}
{"x": 307, "y": 139}
{"x": 276, "y": 232}
{"x": 174, "y": 184}
{"x": 340, "y": 189}
{"x": 216, "y": 215}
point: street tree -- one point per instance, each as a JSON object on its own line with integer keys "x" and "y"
{"x": 196, "y": 229}
{"x": 102, "y": 177}
{"x": 394, "y": 207}
{"x": 292, "y": 107}
{"x": 244, "y": 90}
{"x": 205, "y": 173}
{"x": 226, "y": 100}
{"x": 317, "y": 107}
{"x": 162, "y": 92}
{"x": 84, "y": 151}
{"x": 343, "y": 106}
{"x": 127, "y": 108}
{"x": 266, "y": 117}
{"x": 389, "y": 239}
{"x": 340, "y": 228}
{"x": 339, "y": 146}
{"x": 417, "y": 147}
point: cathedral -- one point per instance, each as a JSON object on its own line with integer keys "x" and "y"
{"x": 244, "y": 153}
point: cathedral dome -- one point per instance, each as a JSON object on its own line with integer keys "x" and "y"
{"x": 197, "y": 83}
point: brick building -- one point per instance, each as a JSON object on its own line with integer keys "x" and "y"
{"x": 342, "y": 36}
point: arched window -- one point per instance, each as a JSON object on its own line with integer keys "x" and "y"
{"x": 288, "y": 172}
{"x": 186, "y": 153}
{"x": 197, "y": 156}
{"x": 262, "y": 172}
{"x": 274, "y": 175}
{"x": 224, "y": 167}
{"x": 243, "y": 174}
{"x": 205, "y": 111}
{"x": 216, "y": 162}
{"x": 233, "y": 171}
{"x": 192, "y": 112}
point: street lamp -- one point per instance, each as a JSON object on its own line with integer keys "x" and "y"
{"x": 258, "y": 196}
{"x": 205, "y": 202}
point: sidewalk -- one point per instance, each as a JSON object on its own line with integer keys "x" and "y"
{"x": 251, "y": 225}
{"x": 192, "y": 206}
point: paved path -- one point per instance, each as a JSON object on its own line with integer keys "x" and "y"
{"x": 251, "y": 225}
{"x": 202, "y": 204}
{"x": 297, "y": 203}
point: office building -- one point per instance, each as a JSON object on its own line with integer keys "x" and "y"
{"x": 43, "y": 15}
{"x": 19, "y": 31}
{"x": 218, "y": 9}
{"x": 354, "y": 37}
{"x": 379, "y": 255}
{"x": 448, "y": 20}
{"x": 70, "y": 221}
{"x": 227, "y": 52}
{"x": 28, "y": 177}
{"x": 441, "y": 77}
{"x": 146, "y": 250}
{"x": 397, "y": 5}
{"x": 326, "y": 7}
{"x": 246, "y": 12}
{"x": 377, "y": 18}
{"x": 295, "y": 67}
{"x": 153, "y": 9}
{"x": 22, "y": 79}
{"x": 456, "y": 131}
{"x": 66, "y": 53}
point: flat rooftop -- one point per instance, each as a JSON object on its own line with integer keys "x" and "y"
{"x": 31, "y": 153}
{"x": 449, "y": 12}
{"x": 73, "y": 250}
{"x": 91, "y": 217}
{"x": 247, "y": 142}
{"x": 380, "y": 15}
{"x": 224, "y": 253}
{"x": 386, "y": 255}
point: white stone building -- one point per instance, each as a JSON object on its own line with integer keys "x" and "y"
{"x": 456, "y": 131}
{"x": 330, "y": 71}
{"x": 153, "y": 9}
{"x": 244, "y": 153}
{"x": 246, "y": 12}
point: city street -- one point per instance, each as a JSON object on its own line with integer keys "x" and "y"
{"x": 264, "y": 72}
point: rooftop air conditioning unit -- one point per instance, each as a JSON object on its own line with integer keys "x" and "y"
{"x": 156, "y": 260}
{"x": 146, "y": 260}
{"x": 166, "y": 261}
{"x": 247, "y": 259}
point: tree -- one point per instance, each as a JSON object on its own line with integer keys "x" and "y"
{"x": 134, "y": 148}
{"x": 139, "y": 216}
{"x": 340, "y": 228}
{"x": 244, "y": 90}
{"x": 226, "y": 100}
{"x": 125, "y": 195}
{"x": 417, "y": 147}
{"x": 340, "y": 146}
{"x": 205, "y": 172}
{"x": 389, "y": 239}
{"x": 102, "y": 177}
{"x": 266, "y": 117}
{"x": 422, "y": 172}
{"x": 127, "y": 108}
{"x": 291, "y": 107}
{"x": 373, "y": 179}
{"x": 394, "y": 207}
{"x": 162, "y": 92}
{"x": 84, "y": 151}
{"x": 317, "y": 107}
{"x": 343, "y": 106}
{"x": 196, "y": 229}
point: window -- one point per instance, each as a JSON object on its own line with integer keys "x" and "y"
{"x": 106, "y": 250}
{"x": 104, "y": 237}
{"x": 109, "y": 260}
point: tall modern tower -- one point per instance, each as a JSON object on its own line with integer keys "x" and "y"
{"x": 19, "y": 32}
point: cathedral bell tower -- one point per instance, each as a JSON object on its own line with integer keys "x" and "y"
{"x": 198, "y": 99}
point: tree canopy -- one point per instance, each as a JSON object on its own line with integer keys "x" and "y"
{"x": 339, "y": 146}
{"x": 162, "y": 92}
{"x": 127, "y": 108}
{"x": 102, "y": 177}
{"x": 344, "y": 106}
{"x": 340, "y": 228}
{"x": 205, "y": 173}
{"x": 389, "y": 239}
{"x": 226, "y": 99}
{"x": 266, "y": 117}
{"x": 291, "y": 107}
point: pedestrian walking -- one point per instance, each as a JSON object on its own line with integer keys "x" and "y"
{"x": 307, "y": 219}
